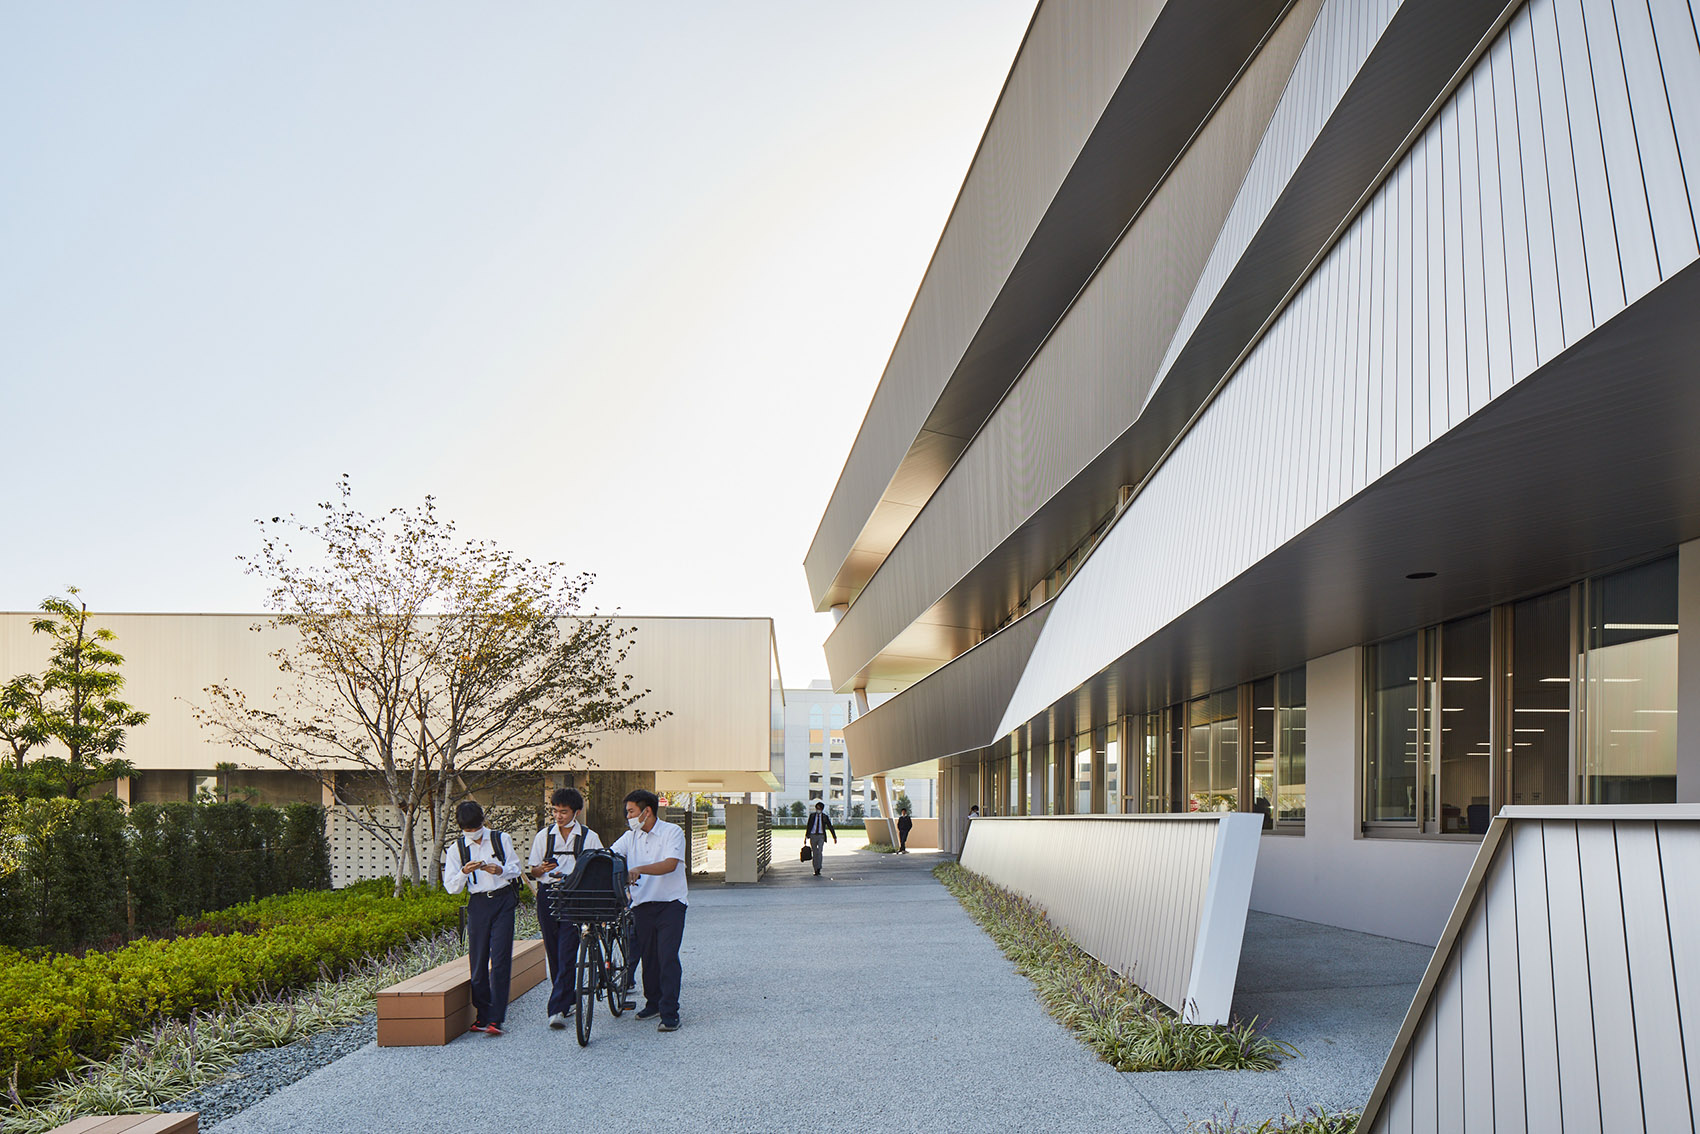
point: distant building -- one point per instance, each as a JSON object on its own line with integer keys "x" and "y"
{"x": 713, "y": 675}
{"x": 815, "y": 768}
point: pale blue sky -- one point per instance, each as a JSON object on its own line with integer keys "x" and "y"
{"x": 615, "y": 282}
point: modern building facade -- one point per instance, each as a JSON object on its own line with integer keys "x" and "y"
{"x": 1300, "y": 415}
{"x": 816, "y": 769}
{"x": 713, "y": 676}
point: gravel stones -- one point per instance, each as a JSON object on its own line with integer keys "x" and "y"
{"x": 259, "y": 1073}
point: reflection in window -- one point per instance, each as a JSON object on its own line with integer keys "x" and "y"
{"x": 1395, "y": 731}
{"x": 1629, "y": 703}
{"x": 1290, "y": 747}
{"x": 1110, "y": 740}
{"x": 1263, "y": 750}
{"x": 1540, "y": 700}
{"x": 1083, "y": 774}
{"x": 1213, "y": 752}
{"x": 1465, "y": 742}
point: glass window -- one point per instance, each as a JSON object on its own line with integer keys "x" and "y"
{"x": 1213, "y": 752}
{"x": 1176, "y": 784}
{"x": 1540, "y": 700}
{"x": 837, "y": 715}
{"x": 1629, "y": 673}
{"x": 1394, "y": 731}
{"x": 816, "y": 716}
{"x": 1083, "y": 774}
{"x": 1048, "y": 786}
{"x": 1110, "y": 739}
{"x": 1459, "y": 781}
{"x": 1290, "y": 747}
{"x": 1263, "y": 750}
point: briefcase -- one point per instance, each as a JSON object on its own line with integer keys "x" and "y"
{"x": 808, "y": 853}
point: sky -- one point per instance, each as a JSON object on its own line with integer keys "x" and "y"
{"x": 613, "y": 282}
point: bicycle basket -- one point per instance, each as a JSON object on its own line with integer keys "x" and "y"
{"x": 595, "y": 891}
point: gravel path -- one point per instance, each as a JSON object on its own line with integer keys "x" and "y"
{"x": 259, "y": 1073}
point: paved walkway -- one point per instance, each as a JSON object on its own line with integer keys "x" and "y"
{"x": 867, "y": 997}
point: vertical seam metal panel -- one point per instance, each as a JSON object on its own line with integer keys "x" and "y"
{"x": 1133, "y": 586}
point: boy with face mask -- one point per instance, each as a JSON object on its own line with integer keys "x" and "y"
{"x": 554, "y": 854}
{"x": 656, "y": 863}
{"x": 483, "y": 862}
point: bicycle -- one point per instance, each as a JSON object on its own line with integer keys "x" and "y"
{"x": 595, "y": 901}
{"x": 602, "y": 970}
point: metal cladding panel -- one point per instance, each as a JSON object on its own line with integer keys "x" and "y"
{"x": 1070, "y": 64}
{"x": 1553, "y": 1001}
{"x": 1291, "y": 415}
{"x": 1080, "y": 391}
{"x": 955, "y": 709}
{"x": 1171, "y": 916}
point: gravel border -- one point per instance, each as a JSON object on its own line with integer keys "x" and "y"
{"x": 259, "y": 1073}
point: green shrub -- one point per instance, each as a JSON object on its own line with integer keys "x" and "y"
{"x": 78, "y": 874}
{"x": 1314, "y": 1120}
{"x": 62, "y": 877}
{"x": 57, "y": 1010}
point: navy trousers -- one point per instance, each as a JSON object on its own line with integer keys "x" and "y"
{"x": 657, "y": 930}
{"x": 560, "y": 946}
{"x": 490, "y": 937}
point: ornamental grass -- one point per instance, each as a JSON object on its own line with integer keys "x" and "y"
{"x": 1313, "y": 1120}
{"x": 1128, "y": 1028}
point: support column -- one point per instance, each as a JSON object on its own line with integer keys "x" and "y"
{"x": 883, "y": 794}
{"x": 121, "y": 790}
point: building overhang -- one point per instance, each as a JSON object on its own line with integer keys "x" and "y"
{"x": 1189, "y": 55}
{"x": 1589, "y": 463}
{"x": 953, "y": 710}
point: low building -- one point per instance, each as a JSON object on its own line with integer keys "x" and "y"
{"x": 1299, "y": 415}
{"x": 713, "y": 677}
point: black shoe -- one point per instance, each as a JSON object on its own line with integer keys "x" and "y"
{"x": 649, "y": 1013}
{"x": 669, "y": 1025}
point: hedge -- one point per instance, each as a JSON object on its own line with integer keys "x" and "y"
{"x": 82, "y": 873}
{"x": 58, "y": 1010}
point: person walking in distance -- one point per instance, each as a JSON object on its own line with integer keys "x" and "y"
{"x": 904, "y": 826}
{"x": 819, "y": 824}
{"x": 483, "y": 862}
{"x": 554, "y": 854}
{"x": 655, "y": 866}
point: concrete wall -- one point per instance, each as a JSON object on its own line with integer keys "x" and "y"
{"x": 1333, "y": 873}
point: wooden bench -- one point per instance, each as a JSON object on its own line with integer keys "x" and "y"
{"x": 189, "y": 1123}
{"x": 435, "y": 1007}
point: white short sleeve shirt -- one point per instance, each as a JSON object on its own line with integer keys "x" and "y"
{"x": 662, "y": 841}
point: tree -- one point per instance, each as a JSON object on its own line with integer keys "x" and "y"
{"x": 436, "y": 667}
{"x": 902, "y": 801}
{"x": 74, "y": 703}
{"x": 797, "y": 809}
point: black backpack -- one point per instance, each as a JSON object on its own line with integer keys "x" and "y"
{"x": 578, "y": 848}
{"x": 594, "y": 891}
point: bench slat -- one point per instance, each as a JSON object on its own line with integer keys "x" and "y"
{"x": 187, "y": 1122}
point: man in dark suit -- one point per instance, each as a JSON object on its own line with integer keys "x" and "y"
{"x": 904, "y": 826}
{"x": 819, "y": 824}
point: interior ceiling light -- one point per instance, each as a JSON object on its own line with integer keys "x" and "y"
{"x": 1641, "y": 626}
{"x": 1422, "y": 574}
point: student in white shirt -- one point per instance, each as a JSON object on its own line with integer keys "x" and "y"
{"x": 483, "y": 862}
{"x": 656, "y": 864}
{"x": 554, "y": 855}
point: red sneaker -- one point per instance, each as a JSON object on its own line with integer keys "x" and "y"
{"x": 479, "y": 1027}
{"x": 492, "y": 1029}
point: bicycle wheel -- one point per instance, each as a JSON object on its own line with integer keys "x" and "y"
{"x": 614, "y": 969}
{"x": 589, "y": 977}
